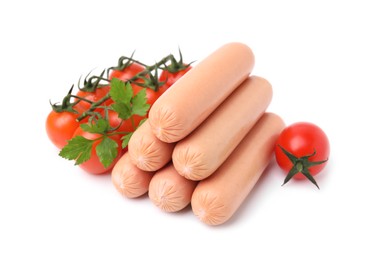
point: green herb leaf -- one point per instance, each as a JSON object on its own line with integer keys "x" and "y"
{"x": 78, "y": 148}
{"x": 124, "y": 110}
{"x": 86, "y": 127}
{"x": 139, "y": 105}
{"x": 120, "y": 91}
{"x": 126, "y": 139}
{"x": 142, "y": 122}
{"x": 99, "y": 126}
{"x": 106, "y": 150}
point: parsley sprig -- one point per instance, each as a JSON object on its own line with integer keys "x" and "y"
{"x": 126, "y": 105}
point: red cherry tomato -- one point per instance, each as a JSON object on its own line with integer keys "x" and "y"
{"x": 127, "y": 73}
{"x": 95, "y": 96}
{"x": 60, "y": 127}
{"x": 302, "y": 150}
{"x": 93, "y": 165}
{"x": 170, "y": 78}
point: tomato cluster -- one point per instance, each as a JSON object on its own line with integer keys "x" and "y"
{"x": 88, "y": 104}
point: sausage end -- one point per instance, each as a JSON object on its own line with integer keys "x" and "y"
{"x": 190, "y": 163}
{"x": 145, "y": 157}
{"x": 165, "y": 125}
{"x": 131, "y": 185}
{"x": 166, "y": 196}
{"x": 207, "y": 206}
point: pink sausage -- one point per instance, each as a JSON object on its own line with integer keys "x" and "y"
{"x": 187, "y": 103}
{"x": 170, "y": 191}
{"x": 129, "y": 180}
{"x": 147, "y": 152}
{"x": 218, "y": 197}
{"x": 198, "y": 155}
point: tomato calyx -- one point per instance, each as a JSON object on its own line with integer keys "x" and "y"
{"x": 301, "y": 165}
{"x": 90, "y": 84}
{"x": 66, "y": 104}
{"x": 176, "y": 66}
{"x": 123, "y": 63}
{"x": 151, "y": 80}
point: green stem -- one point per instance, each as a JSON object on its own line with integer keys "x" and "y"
{"x": 151, "y": 68}
{"x": 81, "y": 99}
{"x": 117, "y": 133}
{"x": 299, "y": 166}
{"x": 93, "y": 106}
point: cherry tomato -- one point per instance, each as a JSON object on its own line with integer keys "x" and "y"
{"x": 127, "y": 73}
{"x": 60, "y": 127}
{"x": 93, "y": 165}
{"x": 170, "y": 78}
{"x": 126, "y": 125}
{"x": 95, "y": 96}
{"x": 302, "y": 150}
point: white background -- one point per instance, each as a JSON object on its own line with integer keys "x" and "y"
{"x": 323, "y": 60}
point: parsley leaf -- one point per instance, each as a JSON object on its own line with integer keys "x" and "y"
{"x": 125, "y": 104}
{"x": 124, "y": 110}
{"x": 78, "y": 148}
{"x": 100, "y": 126}
{"x": 142, "y": 122}
{"x": 120, "y": 91}
{"x": 126, "y": 139}
{"x": 139, "y": 105}
{"x": 107, "y": 151}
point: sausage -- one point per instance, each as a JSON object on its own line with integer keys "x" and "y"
{"x": 147, "y": 152}
{"x": 170, "y": 191}
{"x": 195, "y": 96}
{"x": 129, "y": 180}
{"x": 198, "y": 155}
{"x": 218, "y": 197}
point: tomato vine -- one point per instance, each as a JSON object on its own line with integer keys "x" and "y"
{"x": 109, "y": 105}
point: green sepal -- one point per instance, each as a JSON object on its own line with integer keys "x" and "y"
{"x": 92, "y": 83}
{"x": 176, "y": 66}
{"x": 293, "y": 171}
{"x": 307, "y": 174}
{"x": 66, "y": 104}
{"x": 122, "y": 63}
{"x": 301, "y": 165}
{"x": 152, "y": 81}
{"x": 291, "y": 157}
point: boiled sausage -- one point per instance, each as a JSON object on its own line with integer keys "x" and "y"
{"x": 218, "y": 197}
{"x": 147, "y": 152}
{"x": 198, "y": 155}
{"x": 187, "y": 103}
{"x": 129, "y": 180}
{"x": 170, "y": 191}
